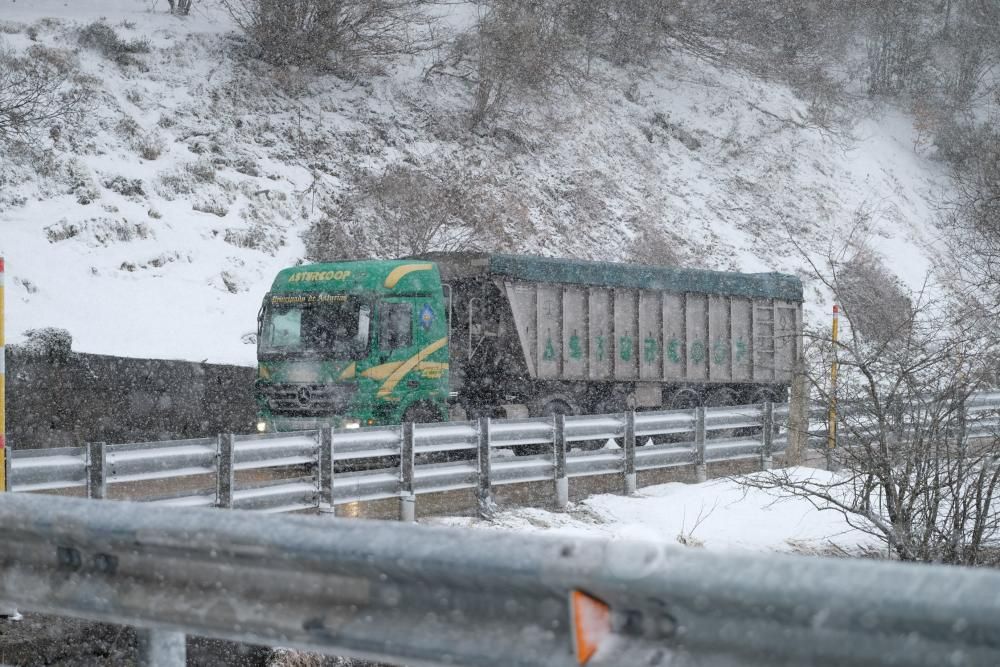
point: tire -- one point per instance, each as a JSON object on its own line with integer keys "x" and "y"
{"x": 557, "y": 406}
{"x": 682, "y": 399}
{"x": 550, "y": 408}
{"x": 685, "y": 399}
{"x": 423, "y": 413}
{"x": 763, "y": 396}
{"x": 759, "y": 397}
{"x": 720, "y": 398}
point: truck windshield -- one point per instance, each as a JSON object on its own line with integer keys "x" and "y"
{"x": 327, "y": 326}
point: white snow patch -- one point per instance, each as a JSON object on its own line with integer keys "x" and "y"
{"x": 720, "y": 515}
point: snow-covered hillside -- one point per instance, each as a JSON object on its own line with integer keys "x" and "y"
{"x": 155, "y": 228}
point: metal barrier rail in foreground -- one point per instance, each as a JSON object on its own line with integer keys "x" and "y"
{"x": 421, "y": 595}
{"x": 350, "y": 465}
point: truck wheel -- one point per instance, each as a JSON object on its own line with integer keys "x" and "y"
{"x": 721, "y": 398}
{"x": 550, "y": 408}
{"x": 682, "y": 399}
{"x": 759, "y": 397}
{"x": 685, "y": 399}
{"x": 422, "y": 413}
{"x": 557, "y": 406}
{"x": 763, "y": 396}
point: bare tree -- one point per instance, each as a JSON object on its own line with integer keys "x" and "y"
{"x": 328, "y": 34}
{"x": 38, "y": 92}
{"x": 971, "y": 219}
{"x": 181, "y": 7}
{"x": 518, "y": 52}
{"x": 895, "y": 43}
{"x": 907, "y": 471}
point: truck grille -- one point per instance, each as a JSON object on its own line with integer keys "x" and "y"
{"x": 306, "y": 400}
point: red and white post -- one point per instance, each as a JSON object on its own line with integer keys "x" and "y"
{"x": 6, "y": 612}
{"x": 3, "y": 425}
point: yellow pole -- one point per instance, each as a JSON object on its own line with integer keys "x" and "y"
{"x": 3, "y": 425}
{"x": 831, "y": 438}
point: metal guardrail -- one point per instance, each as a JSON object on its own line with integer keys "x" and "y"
{"x": 420, "y": 595}
{"x": 325, "y": 468}
{"x": 980, "y": 419}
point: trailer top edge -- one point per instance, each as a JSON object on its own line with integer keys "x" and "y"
{"x": 611, "y": 274}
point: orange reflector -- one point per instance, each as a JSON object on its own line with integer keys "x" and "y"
{"x": 591, "y": 620}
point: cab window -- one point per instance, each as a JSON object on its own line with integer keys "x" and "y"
{"x": 395, "y": 325}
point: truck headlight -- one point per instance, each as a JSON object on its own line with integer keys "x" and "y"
{"x": 261, "y": 426}
{"x": 352, "y": 423}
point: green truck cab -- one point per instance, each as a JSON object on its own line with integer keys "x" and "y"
{"x": 352, "y": 344}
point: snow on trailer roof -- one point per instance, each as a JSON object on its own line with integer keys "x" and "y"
{"x": 612, "y": 274}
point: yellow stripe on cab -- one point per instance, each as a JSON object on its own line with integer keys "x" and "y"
{"x": 399, "y": 272}
{"x": 409, "y": 365}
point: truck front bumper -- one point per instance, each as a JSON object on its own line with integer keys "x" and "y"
{"x": 273, "y": 423}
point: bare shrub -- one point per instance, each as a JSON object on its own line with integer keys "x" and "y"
{"x": 203, "y": 170}
{"x": 98, "y": 231}
{"x": 50, "y": 343}
{"x": 39, "y": 91}
{"x": 873, "y": 298}
{"x": 209, "y": 206}
{"x": 80, "y": 181}
{"x": 257, "y": 237}
{"x": 103, "y": 38}
{"x": 408, "y": 210}
{"x": 654, "y": 247}
{"x": 150, "y": 146}
{"x": 327, "y": 34}
{"x": 172, "y": 184}
{"x": 127, "y": 187}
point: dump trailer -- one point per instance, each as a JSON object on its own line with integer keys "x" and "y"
{"x": 465, "y": 335}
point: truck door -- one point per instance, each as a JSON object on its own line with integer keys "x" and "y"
{"x": 396, "y": 347}
{"x": 412, "y": 350}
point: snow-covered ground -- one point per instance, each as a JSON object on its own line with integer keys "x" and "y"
{"x": 718, "y": 514}
{"x": 168, "y": 252}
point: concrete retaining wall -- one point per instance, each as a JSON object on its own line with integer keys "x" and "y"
{"x": 61, "y": 399}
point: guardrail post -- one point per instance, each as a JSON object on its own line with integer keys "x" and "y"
{"x": 161, "y": 648}
{"x": 407, "y": 498}
{"x": 630, "y": 477}
{"x": 224, "y": 472}
{"x": 700, "y": 468}
{"x": 767, "y": 437}
{"x": 484, "y": 490}
{"x": 325, "y": 469}
{"x": 559, "y": 461}
{"x": 96, "y": 478}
